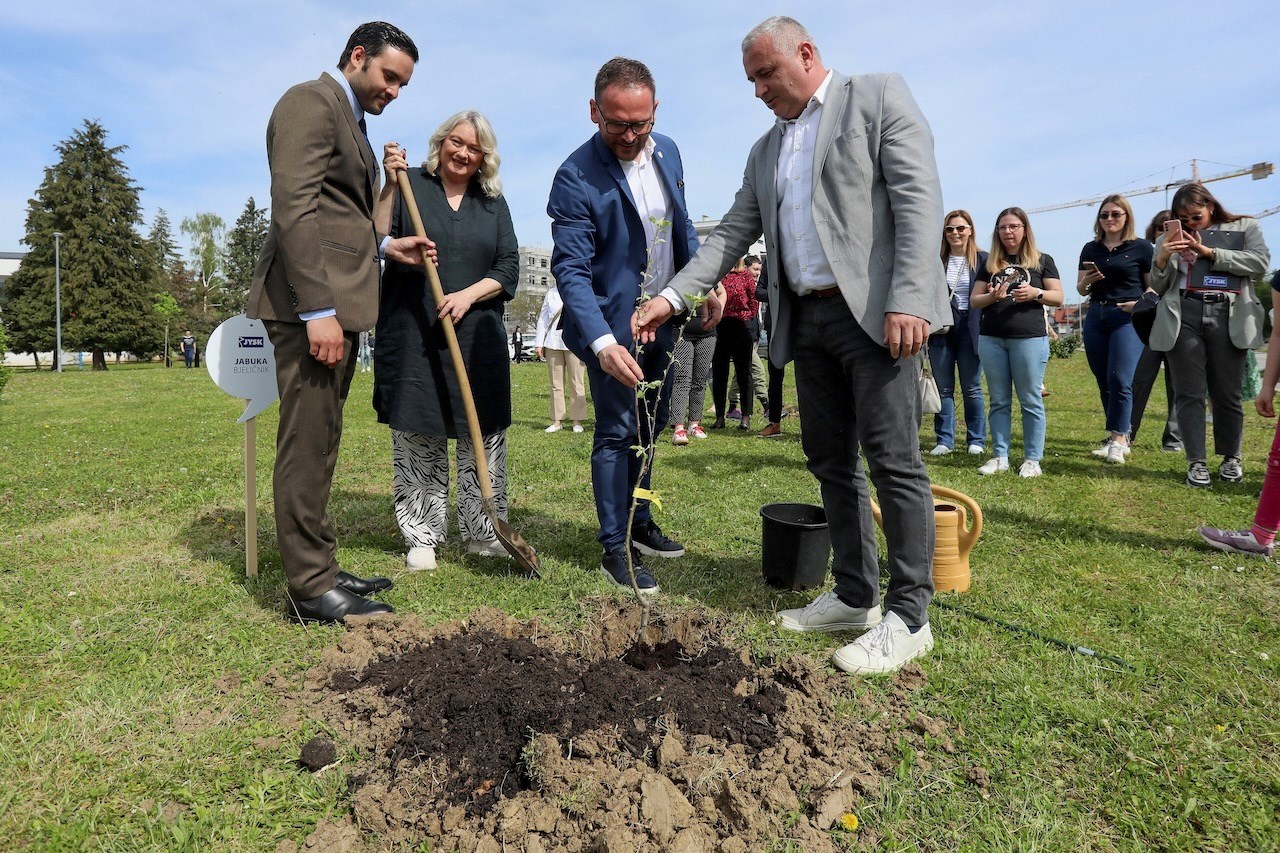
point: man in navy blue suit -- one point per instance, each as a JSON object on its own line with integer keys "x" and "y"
{"x": 607, "y": 205}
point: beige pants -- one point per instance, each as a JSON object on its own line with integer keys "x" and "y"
{"x": 561, "y": 362}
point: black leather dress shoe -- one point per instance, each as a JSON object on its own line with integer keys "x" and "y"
{"x": 363, "y": 586}
{"x": 334, "y": 606}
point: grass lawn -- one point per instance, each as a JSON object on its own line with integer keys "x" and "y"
{"x": 136, "y": 711}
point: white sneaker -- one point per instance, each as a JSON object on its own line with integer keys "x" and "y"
{"x": 1116, "y": 452}
{"x": 1103, "y": 449}
{"x": 1030, "y": 468}
{"x": 885, "y": 648}
{"x": 994, "y": 465}
{"x": 486, "y": 548}
{"x": 577, "y": 427}
{"x": 940, "y": 450}
{"x": 975, "y": 449}
{"x": 420, "y": 559}
{"x": 829, "y": 613}
{"x": 554, "y": 428}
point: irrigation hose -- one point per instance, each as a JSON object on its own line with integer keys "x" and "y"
{"x": 1031, "y": 632}
{"x": 1075, "y": 648}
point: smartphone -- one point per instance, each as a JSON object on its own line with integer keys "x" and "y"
{"x": 1089, "y": 266}
{"x": 1173, "y": 229}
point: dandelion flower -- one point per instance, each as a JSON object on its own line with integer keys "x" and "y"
{"x": 849, "y": 822}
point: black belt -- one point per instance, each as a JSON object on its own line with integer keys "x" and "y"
{"x": 1112, "y": 301}
{"x": 1208, "y": 297}
{"x": 825, "y": 293}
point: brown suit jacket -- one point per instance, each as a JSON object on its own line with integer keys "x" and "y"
{"x": 321, "y": 250}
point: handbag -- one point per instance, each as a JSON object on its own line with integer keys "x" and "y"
{"x": 930, "y": 399}
{"x": 1143, "y": 316}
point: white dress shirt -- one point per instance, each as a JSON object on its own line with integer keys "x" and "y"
{"x": 653, "y": 203}
{"x": 803, "y": 260}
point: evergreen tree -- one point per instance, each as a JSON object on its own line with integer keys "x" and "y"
{"x": 244, "y": 244}
{"x": 5, "y": 370}
{"x": 107, "y": 268}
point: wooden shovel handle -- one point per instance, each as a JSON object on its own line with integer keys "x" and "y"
{"x": 451, "y": 336}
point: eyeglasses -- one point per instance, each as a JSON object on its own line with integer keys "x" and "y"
{"x": 955, "y": 229}
{"x": 1015, "y": 227}
{"x": 1111, "y": 214}
{"x": 617, "y": 128}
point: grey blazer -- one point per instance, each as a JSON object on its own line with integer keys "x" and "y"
{"x": 877, "y": 204}
{"x": 1246, "y": 314}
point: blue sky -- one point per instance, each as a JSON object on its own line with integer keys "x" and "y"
{"x": 1031, "y": 104}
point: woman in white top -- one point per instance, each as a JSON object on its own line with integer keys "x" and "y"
{"x": 957, "y": 348}
{"x": 548, "y": 342}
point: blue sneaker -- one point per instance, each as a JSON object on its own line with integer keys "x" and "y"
{"x": 613, "y": 565}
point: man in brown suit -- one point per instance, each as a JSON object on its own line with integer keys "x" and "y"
{"x": 316, "y": 289}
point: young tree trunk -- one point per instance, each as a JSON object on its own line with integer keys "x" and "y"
{"x": 166, "y": 346}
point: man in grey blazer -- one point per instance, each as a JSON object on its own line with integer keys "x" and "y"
{"x": 845, "y": 190}
{"x": 316, "y": 289}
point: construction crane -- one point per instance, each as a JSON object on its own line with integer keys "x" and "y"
{"x": 1257, "y": 171}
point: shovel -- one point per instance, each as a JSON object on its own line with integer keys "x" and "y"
{"x": 521, "y": 551}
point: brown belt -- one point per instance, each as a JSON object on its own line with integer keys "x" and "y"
{"x": 825, "y": 293}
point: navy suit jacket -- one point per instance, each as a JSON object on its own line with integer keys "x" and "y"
{"x": 600, "y": 251}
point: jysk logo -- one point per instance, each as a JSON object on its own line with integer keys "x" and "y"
{"x": 251, "y": 342}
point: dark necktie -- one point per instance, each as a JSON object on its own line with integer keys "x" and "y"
{"x": 364, "y": 128}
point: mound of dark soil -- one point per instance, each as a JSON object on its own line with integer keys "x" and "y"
{"x": 493, "y": 735}
{"x": 501, "y": 690}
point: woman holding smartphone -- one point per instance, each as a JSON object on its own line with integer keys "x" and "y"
{"x": 1208, "y": 321}
{"x": 957, "y": 348}
{"x": 1013, "y": 287}
{"x": 1115, "y": 268}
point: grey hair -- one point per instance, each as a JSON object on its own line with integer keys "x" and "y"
{"x": 488, "y": 174}
{"x": 786, "y": 34}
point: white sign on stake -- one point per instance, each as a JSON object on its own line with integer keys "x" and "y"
{"x": 242, "y": 362}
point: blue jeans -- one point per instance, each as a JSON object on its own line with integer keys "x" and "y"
{"x": 1113, "y": 349}
{"x": 1015, "y": 364}
{"x": 947, "y": 353}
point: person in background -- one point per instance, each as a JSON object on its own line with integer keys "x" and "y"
{"x": 734, "y": 340}
{"x": 188, "y": 348}
{"x": 1115, "y": 268}
{"x": 773, "y": 406}
{"x": 1144, "y": 375}
{"x": 517, "y": 346}
{"x": 1259, "y": 539}
{"x": 561, "y": 364}
{"x": 1208, "y": 332}
{"x": 366, "y": 351}
{"x": 693, "y": 352}
{"x": 956, "y": 349}
{"x": 416, "y": 391}
{"x": 1013, "y": 287}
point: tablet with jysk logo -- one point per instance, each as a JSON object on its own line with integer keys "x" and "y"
{"x": 1203, "y": 278}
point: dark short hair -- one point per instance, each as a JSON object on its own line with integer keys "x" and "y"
{"x": 748, "y": 260}
{"x": 375, "y": 37}
{"x": 627, "y": 73}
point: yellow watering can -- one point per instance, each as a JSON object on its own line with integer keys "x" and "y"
{"x": 958, "y": 520}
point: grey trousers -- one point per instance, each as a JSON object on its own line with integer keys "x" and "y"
{"x": 855, "y": 397}
{"x": 1204, "y": 361}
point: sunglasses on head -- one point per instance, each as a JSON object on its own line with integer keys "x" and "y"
{"x": 1111, "y": 214}
{"x": 955, "y": 229}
